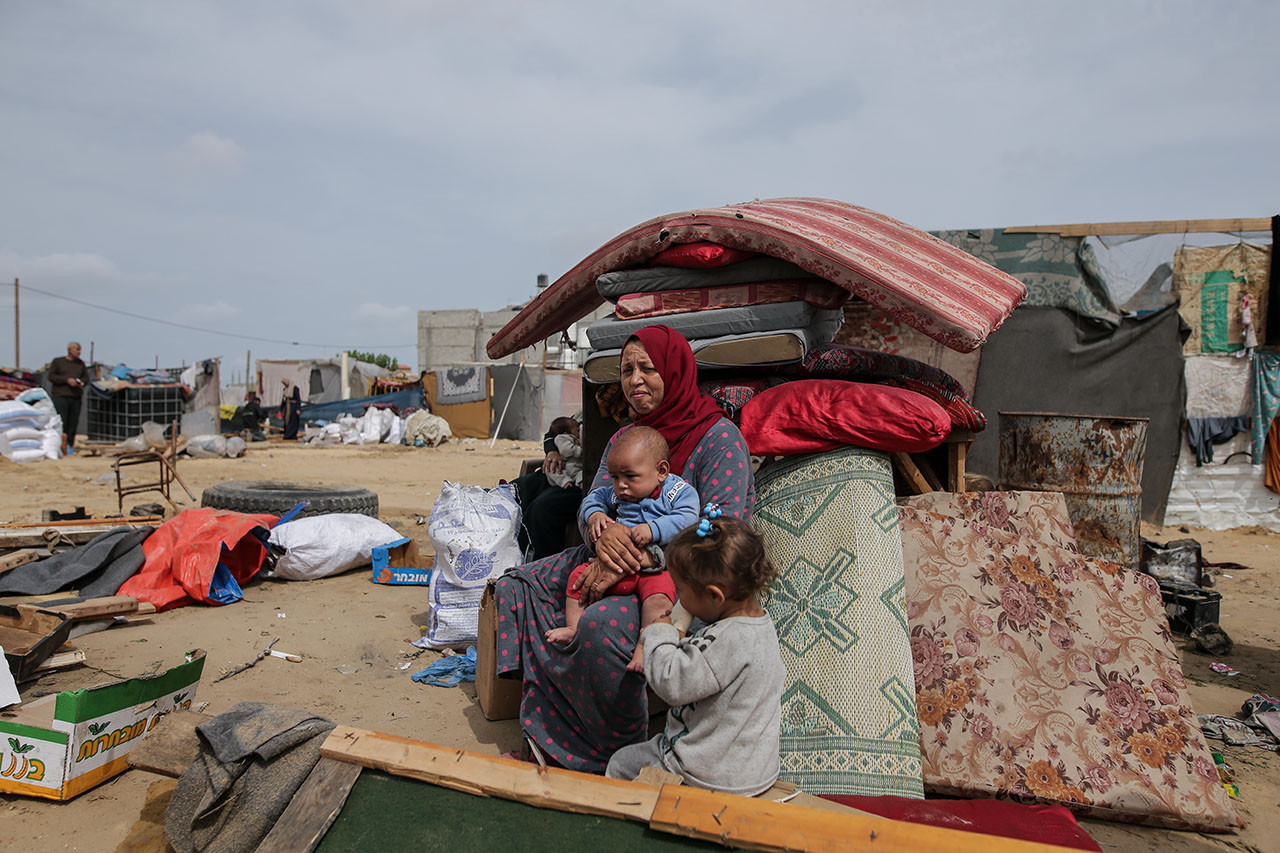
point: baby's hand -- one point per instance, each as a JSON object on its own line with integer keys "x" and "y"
{"x": 642, "y": 535}
{"x": 596, "y": 524}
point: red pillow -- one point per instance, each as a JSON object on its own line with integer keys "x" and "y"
{"x": 813, "y": 415}
{"x": 698, "y": 256}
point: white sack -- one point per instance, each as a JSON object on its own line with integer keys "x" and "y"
{"x": 474, "y": 534}
{"x": 323, "y": 545}
{"x": 206, "y": 446}
{"x": 396, "y": 434}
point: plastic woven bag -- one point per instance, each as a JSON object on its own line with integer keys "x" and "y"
{"x": 474, "y": 534}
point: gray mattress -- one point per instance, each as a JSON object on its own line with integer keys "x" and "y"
{"x": 654, "y": 279}
{"x": 602, "y": 365}
{"x": 611, "y": 333}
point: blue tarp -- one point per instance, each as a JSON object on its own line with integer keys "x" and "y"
{"x": 406, "y": 399}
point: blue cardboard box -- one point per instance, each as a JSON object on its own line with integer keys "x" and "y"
{"x": 399, "y": 562}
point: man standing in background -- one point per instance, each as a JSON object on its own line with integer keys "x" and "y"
{"x": 68, "y": 375}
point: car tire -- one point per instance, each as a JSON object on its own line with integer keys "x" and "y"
{"x": 276, "y": 498}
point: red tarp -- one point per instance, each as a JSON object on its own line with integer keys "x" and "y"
{"x": 184, "y": 552}
{"x": 944, "y": 292}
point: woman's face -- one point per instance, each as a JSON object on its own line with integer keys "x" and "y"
{"x": 641, "y": 382}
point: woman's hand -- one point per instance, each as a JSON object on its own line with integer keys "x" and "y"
{"x": 595, "y": 581}
{"x": 554, "y": 463}
{"x": 616, "y": 551}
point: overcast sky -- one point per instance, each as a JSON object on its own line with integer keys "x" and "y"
{"x": 318, "y": 171}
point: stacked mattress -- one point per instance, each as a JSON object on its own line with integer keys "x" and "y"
{"x": 754, "y": 312}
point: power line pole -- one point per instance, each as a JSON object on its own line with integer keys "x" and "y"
{"x": 17, "y": 330}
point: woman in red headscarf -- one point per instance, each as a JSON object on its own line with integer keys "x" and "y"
{"x": 579, "y": 703}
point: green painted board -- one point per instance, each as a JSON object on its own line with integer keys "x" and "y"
{"x": 386, "y": 812}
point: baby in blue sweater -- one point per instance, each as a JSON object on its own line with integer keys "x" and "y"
{"x": 655, "y": 504}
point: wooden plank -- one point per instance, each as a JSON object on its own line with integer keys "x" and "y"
{"x": 35, "y": 538}
{"x": 170, "y": 747}
{"x": 62, "y": 659}
{"x": 914, "y": 478}
{"x": 313, "y": 808}
{"x": 956, "y": 455}
{"x": 98, "y": 608}
{"x": 18, "y": 558}
{"x": 129, "y": 521}
{"x": 756, "y": 824}
{"x": 485, "y": 775}
{"x": 1165, "y": 226}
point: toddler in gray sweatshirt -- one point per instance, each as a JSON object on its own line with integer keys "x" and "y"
{"x": 724, "y": 681}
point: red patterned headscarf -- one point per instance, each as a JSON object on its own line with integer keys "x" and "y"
{"x": 685, "y": 414}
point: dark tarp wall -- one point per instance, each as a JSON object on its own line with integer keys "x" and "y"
{"x": 1053, "y": 360}
{"x": 523, "y": 420}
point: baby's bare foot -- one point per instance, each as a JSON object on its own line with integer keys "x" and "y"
{"x": 561, "y": 636}
{"x": 636, "y": 664}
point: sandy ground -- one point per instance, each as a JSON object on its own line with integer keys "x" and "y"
{"x": 348, "y": 621}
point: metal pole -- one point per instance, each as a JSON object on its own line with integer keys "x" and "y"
{"x": 17, "y": 330}
{"x": 502, "y": 417}
{"x": 248, "y": 357}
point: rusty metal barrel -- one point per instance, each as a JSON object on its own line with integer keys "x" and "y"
{"x": 1095, "y": 461}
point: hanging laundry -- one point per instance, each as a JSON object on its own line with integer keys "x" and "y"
{"x": 1203, "y": 433}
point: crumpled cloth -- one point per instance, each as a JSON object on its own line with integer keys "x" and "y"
{"x": 252, "y": 760}
{"x": 1235, "y": 732}
{"x": 99, "y": 567}
{"x": 424, "y": 428}
{"x": 450, "y": 671}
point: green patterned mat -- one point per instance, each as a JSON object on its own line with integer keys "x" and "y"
{"x": 849, "y": 722}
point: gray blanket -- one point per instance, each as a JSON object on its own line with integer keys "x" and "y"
{"x": 252, "y": 761}
{"x": 611, "y": 332}
{"x": 99, "y": 567}
{"x": 614, "y": 285}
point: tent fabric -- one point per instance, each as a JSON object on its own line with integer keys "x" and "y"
{"x": 466, "y": 420}
{"x": 406, "y": 399}
{"x": 1266, "y": 398}
{"x": 1052, "y": 360}
{"x": 96, "y": 568}
{"x": 185, "y": 553}
{"x": 1059, "y": 272}
{"x": 944, "y": 292}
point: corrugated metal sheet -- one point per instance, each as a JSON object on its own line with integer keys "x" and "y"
{"x": 930, "y": 285}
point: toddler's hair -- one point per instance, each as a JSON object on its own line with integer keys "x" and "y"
{"x": 731, "y": 556}
{"x": 562, "y": 425}
{"x": 646, "y": 439}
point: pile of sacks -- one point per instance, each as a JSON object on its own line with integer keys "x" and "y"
{"x": 381, "y": 426}
{"x": 29, "y": 428}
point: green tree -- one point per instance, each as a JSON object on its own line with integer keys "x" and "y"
{"x": 387, "y": 362}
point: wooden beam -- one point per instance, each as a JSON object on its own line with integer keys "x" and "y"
{"x": 170, "y": 747}
{"x": 1169, "y": 226}
{"x": 956, "y": 455}
{"x": 99, "y": 608}
{"x": 313, "y": 808}
{"x": 911, "y": 473}
{"x": 485, "y": 775}
{"x": 125, "y": 521}
{"x": 61, "y": 659}
{"x": 756, "y": 824}
{"x": 18, "y": 558}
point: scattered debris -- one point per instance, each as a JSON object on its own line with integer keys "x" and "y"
{"x": 449, "y": 671}
{"x": 347, "y": 669}
{"x": 1212, "y": 640}
{"x": 249, "y": 665}
{"x": 1223, "y": 669}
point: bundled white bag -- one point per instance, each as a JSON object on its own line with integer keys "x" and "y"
{"x": 206, "y": 447}
{"x": 474, "y": 534}
{"x": 323, "y": 545}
